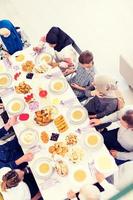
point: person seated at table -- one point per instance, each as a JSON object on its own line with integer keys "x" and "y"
{"x": 63, "y": 45}
{"x": 13, "y": 181}
{"x": 120, "y": 140}
{"x": 84, "y": 75}
{"x": 11, "y": 154}
{"x": 89, "y": 191}
{"x": 11, "y": 39}
{"x": 104, "y": 97}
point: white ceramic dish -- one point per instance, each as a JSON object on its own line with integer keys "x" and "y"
{"x": 45, "y": 164}
{"x": 58, "y": 86}
{"x": 77, "y": 114}
{"x": 5, "y": 80}
{"x": 94, "y": 141}
{"x": 15, "y": 106}
{"x": 28, "y": 138}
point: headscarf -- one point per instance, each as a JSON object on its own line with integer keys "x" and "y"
{"x": 13, "y": 42}
{"x": 105, "y": 85}
{"x": 58, "y": 37}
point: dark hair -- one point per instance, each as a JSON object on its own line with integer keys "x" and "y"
{"x": 128, "y": 118}
{"x": 10, "y": 179}
{"x": 85, "y": 57}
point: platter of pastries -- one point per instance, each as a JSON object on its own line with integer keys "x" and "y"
{"x": 61, "y": 124}
{"x": 23, "y": 88}
{"x": 59, "y": 148}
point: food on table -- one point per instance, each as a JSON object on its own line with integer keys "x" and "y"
{"x": 44, "y": 137}
{"x": 23, "y": 88}
{"x": 59, "y": 148}
{"x": 54, "y": 64}
{"x": 33, "y": 105}
{"x": 29, "y": 98}
{"x": 77, "y": 114}
{"x": 56, "y": 101}
{"x": 92, "y": 139}
{"x": 29, "y": 75}
{"x": 16, "y": 75}
{"x": 5, "y": 80}
{"x": 71, "y": 139}
{"x": 44, "y": 116}
{"x": 44, "y": 57}
{"x": 28, "y": 137}
{"x": 20, "y": 58}
{"x": 61, "y": 168}
{"x": 42, "y": 68}
{"x": 80, "y": 175}
{"x": 15, "y": 106}
{"x": 54, "y": 136}
{"x": 58, "y": 86}
{"x": 28, "y": 66}
{"x": 43, "y": 93}
{"x": 43, "y": 167}
{"x": 75, "y": 154}
{"x": 24, "y": 116}
{"x": 61, "y": 124}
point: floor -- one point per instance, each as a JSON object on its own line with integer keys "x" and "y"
{"x": 104, "y": 27}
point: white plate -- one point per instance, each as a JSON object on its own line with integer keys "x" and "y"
{"x": 77, "y": 114}
{"x": 28, "y": 138}
{"x": 80, "y": 175}
{"x": 15, "y": 102}
{"x": 43, "y": 58}
{"x": 94, "y": 141}
{"x": 5, "y": 80}
{"x": 58, "y": 86}
{"x": 104, "y": 163}
{"x": 39, "y": 163}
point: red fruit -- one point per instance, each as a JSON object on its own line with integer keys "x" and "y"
{"x": 24, "y": 116}
{"x": 43, "y": 93}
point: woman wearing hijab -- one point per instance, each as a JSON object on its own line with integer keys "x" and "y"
{"x": 11, "y": 40}
{"x": 65, "y": 48}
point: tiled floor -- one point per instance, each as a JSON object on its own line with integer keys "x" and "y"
{"x": 105, "y": 27}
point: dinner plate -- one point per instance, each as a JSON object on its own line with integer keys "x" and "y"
{"x": 104, "y": 163}
{"x": 80, "y": 175}
{"x": 5, "y": 80}
{"x": 15, "y": 106}
{"x": 77, "y": 114}
{"x": 93, "y": 141}
{"x": 43, "y": 167}
{"x": 43, "y": 58}
{"x": 28, "y": 138}
{"x": 58, "y": 85}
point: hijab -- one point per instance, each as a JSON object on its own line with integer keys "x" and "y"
{"x": 58, "y": 37}
{"x": 13, "y": 42}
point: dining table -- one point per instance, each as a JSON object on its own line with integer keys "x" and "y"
{"x": 52, "y": 124}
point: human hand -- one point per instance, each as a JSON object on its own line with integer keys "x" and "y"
{"x": 94, "y": 93}
{"x": 99, "y": 176}
{"x": 92, "y": 116}
{"x": 95, "y": 122}
{"x": 1, "y": 106}
{"x": 114, "y": 153}
{"x": 27, "y": 157}
{"x": 12, "y": 121}
{"x": 71, "y": 194}
{"x": 74, "y": 85}
{"x": 37, "y": 49}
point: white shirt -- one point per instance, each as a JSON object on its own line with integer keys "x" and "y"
{"x": 20, "y": 192}
{"x": 1, "y": 42}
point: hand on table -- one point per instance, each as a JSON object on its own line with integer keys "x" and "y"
{"x": 27, "y": 157}
{"x": 12, "y": 121}
{"x": 95, "y": 122}
{"x": 114, "y": 153}
{"x": 71, "y": 194}
{"x": 76, "y": 86}
{"x": 92, "y": 116}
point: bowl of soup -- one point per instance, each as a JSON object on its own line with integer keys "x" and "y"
{"x": 94, "y": 140}
{"x": 5, "y": 80}
{"x": 15, "y": 106}
{"x": 77, "y": 114}
{"x": 58, "y": 86}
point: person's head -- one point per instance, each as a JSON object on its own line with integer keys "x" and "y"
{"x": 127, "y": 118}
{"x": 52, "y": 37}
{"x": 89, "y": 192}
{"x": 86, "y": 59}
{"x": 5, "y": 32}
{"x": 104, "y": 83}
{"x": 11, "y": 179}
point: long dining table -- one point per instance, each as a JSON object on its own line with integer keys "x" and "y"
{"x": 49, "y": 141}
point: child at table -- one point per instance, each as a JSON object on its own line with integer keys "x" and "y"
{"x": 84, "y": 74}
